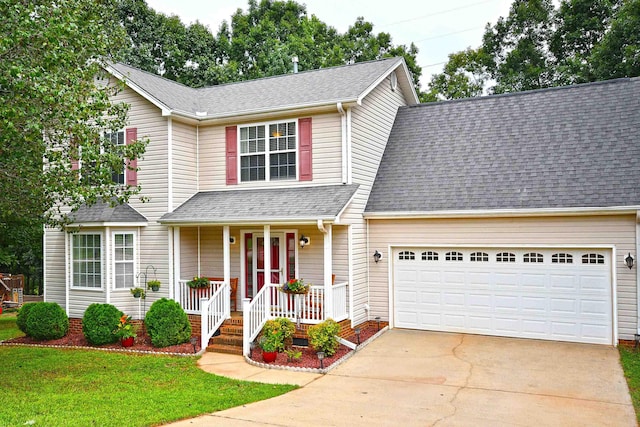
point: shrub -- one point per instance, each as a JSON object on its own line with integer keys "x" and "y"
{"x": 323, "y": 336}
{"x": 167, "y": 323}
{"x": 99, "y": 322}
{"x": 23, "y": 314}
{"x": 47, "y": 321}
{"x": 277, "y": 334}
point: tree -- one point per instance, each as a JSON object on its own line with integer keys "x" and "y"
{"x": 52, "y": 111}
{"x": 464, "y": 76}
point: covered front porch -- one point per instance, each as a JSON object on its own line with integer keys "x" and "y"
{"x": 259, "y": 256}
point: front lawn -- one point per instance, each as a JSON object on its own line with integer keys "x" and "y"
{"x": 50, "y": 386}
{"x": 8, "y": 328}
{"x": 630, "y": 360}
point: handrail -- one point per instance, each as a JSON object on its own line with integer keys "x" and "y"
{"x": 214, "y": 311}
{"x": 340, "y": 301}
{"x": 255, "y": 314}
{"x": 190, "y": 299}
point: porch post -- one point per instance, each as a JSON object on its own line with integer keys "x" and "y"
{"x": 267, "y": 254}
{"x": 226, "y": 250}
{"x": 328, "y": 271}
{"x": 176, "y": 264}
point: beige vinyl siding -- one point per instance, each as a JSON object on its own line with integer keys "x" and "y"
{"x": 327, "y": 155}
{"x": 371, "y": 125}
{"x": 55, "y": 280}
{"x": 184, "y": 161}
{"x": 619, "y": 231}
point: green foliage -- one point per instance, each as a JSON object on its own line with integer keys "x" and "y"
{"x": 167, "y": 323}
{"x": 125, "y": 389}
{"x": 255, "y": 43}
{"x": 47, "y": 321}
{"x": 630, "y": 361}
{"x": 538, "y": 46}
{"x": 324, "y": 336}
{"x": 277, "y": 334}
{"x": 23, "y": 314}
{"x": 98, "y": 323}
{"x": 52, "y": 110}
{"x": 125, "y": 329}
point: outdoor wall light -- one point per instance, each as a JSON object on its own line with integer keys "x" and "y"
{"x": 321, "y": 358}
{"x": 628, "y": 260}
{"x": 304, "y": 241}
{"x": 377, "y": 256}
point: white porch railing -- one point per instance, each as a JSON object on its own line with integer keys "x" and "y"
{"x": 270, "y": 303}
{"x": 214, "y": 311}
{"x": 213, "y": 304}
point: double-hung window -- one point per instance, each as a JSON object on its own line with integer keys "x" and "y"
{"x": 86, "y": 261}
{"x": 268, "y": 152}
{"x": 123, "y": 260}
{"x": 117, "y": 139}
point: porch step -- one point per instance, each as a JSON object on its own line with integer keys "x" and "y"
{"x": 230, "y": 338}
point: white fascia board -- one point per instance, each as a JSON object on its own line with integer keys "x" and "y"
{"x": 107, "y": 224}
{"x": 344, "y": 208}
{"x": 610, "y": 210}
{"x": 405, "y": 75}
{"x": 247, "y": 221}
{"x": 166, "y": 111}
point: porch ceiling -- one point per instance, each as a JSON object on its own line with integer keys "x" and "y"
{"x": 294, "y": 204}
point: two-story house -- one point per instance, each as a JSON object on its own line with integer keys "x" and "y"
{"x": 260, "y": 181}
{"x": 513, "y": 215}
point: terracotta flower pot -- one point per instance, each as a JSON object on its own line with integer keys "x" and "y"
{"x": 269, "y": 356}
{"x": 127, "y": 342}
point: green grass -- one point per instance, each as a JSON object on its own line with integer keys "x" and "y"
{"x": 630, "y": 360}
{"x": 65, "y": 387}
{"x": 8, "y": 328}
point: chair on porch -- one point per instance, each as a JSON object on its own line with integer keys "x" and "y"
{"x": 233, "y": 284}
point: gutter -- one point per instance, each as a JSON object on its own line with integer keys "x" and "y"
{"x": 495, "y": 213}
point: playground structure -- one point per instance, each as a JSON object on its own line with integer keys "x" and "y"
{"x": 11, "y": 290}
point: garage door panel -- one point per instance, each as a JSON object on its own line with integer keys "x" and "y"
{"x": 568, "y": 302}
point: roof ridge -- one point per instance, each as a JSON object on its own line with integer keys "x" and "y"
{"x": 154, "y": 75}
{"x": 618, "y": 80}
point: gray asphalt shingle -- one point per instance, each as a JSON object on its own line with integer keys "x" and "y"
{"x": 575, "y": 146}
{"x": 259, "y": 205}
{"x": 323, "y": 86}
{"x": 103, "y": 212}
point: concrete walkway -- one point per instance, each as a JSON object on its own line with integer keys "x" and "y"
{"x": 412, "y": 378}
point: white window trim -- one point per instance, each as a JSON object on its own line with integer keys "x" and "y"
{"x": 73, "y": 286}
{"x": 134, "y": 233}
{"x": 124, "y": 160}
{"x": 266, "y": 153}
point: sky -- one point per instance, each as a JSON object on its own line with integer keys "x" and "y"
{"x": 437, "y": 28}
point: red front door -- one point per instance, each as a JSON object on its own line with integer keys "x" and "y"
{"x": 255, "y": 271}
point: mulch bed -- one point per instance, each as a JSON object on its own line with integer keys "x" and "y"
{"x": 309, "y": 358}
{"x": 141, "y": 343}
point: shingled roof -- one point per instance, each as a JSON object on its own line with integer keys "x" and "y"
{"x": 568, "y": 147}
{"x": 305, "y": 89}
{"x": 102, "y": 212}
{"x": 263, "y": 205}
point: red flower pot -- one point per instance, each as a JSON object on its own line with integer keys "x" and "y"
{"x": 269, "y": 356}
{"x": 127, "y": 342}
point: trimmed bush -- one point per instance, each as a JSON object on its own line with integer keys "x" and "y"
{"x": 21, "y": 318}
{"x": 324, "y": 336}
{"x": 47, "y": 321}
{"x": 99, "y": 322}
{"x": 167, "y": 323}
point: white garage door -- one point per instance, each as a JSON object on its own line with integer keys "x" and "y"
{"x": 553, "y": 294}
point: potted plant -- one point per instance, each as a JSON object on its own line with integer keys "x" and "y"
{"x": 138, "y": 292}
{"x": 125, "y": 331}
{"x": 198, "y": 284}
{"x": 295, "y": 286}
{"x": 154, "y": 285}
{"x": 276, "y": 335}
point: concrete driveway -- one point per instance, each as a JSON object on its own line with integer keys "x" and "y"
{"x": 412, "y": 378}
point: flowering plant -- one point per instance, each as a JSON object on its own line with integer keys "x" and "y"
{"x": 295, "y": 286}
{"x": 198, "y": 282}
{"x": 125, "y": 329}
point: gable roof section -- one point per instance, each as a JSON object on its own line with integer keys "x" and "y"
{"x": 347, "y": 83}
{"x": 569, "y": 147}
{"x": 297, "y": 204}
{"x": 103, "y": 213}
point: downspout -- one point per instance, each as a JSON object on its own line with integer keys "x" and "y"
{"x": 638, "y": 269}
{"x": 169, "y": 164}
{"x": 107, "y": 264}
{"x": 67, "y": 268}
{"x": 343, "y": 135}
{"x": 198, "y": 158}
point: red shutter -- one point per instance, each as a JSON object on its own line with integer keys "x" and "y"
{"x": 75, "y": 155}
{"x": 131, "y": 176}
{"x": 304, "y": 140}
{"x": 232, "y": 154}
